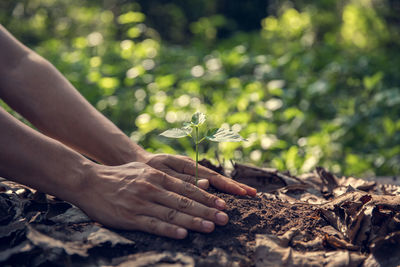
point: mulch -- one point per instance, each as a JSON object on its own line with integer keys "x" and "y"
{"x": 314, "y": 219}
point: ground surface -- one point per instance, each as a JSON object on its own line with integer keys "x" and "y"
{"x": 316, "y": 219}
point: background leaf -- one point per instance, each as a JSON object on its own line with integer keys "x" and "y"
{"x": 307, "y": 82}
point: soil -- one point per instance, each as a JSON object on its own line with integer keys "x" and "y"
{"x": 315, "y": 219}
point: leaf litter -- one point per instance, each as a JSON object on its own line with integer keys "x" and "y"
{"x": 314, "y": 219}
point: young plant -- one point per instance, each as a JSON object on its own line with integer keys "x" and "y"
{"x": 215, "y": 134}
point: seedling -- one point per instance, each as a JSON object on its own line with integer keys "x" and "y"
{"x": 215, "y": 134}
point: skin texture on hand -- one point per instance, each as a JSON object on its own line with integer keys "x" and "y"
{"x": 135, "y": 196}
{"x": 184, "y": 168}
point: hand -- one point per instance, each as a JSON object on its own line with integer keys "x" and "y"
{"x": 184, "y": 168}
{"x": 136, "y": 196}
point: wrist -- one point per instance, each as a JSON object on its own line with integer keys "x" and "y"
{"x": 74, "y": 181}
{"x": 131, "y": 153}
{"x": 123, "y": 151}
{"x": 141, "y": 155}
{"x": 86, "y": 178}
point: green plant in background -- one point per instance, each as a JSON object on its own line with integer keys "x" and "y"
{"x": 316, "y": 84}
{"x": 215, "y": 134}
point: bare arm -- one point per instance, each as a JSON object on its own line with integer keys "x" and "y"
{"x": 39, "y": 92}
{"x": 40, "y": 162}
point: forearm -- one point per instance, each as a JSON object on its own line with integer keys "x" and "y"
{"x": 33, "y": 159}
{"x": 39, "y": 92}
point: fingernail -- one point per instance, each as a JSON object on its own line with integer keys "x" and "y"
{"x": 181, "y": 233}
{"x": 203, "y": 183}
{"x": 253, "y": 191}
{"x": 207, "y": 225}
{"x": 220, "y": 203}
{"x": 221, "y": 217}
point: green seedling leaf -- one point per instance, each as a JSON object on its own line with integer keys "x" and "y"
{"x": 211, "y": 132}
{"x": 198, "y": 118}
{"x": 223, "y": 135}
{"x": 187, "y": 124}
{"x": 177, "y": 133}
{"x": 216, "y": 135}
{"x": 188, "y": 129}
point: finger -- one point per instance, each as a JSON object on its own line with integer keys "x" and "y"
{"x": 250, "y": 190}
{"x": 221, "y": 182}
{"x": 202, "y": 183}
{"x": 191, "y": 207}
{"x": 188, "y": 166}
{"x": 158, "y": 227}
{"x": 186, "y": 189}
{"x": 177, "y": 189}
{"x": 176, "y": 217}
{"x": 226, "y": 184}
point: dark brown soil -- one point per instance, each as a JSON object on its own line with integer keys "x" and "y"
{"x": 312, "y": 220}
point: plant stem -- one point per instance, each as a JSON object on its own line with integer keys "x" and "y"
{"x": 197, "y": 154}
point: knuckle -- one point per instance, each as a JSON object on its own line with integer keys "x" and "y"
{"x": 152, "y": 225}
{"x": 187, "y": 166}
{"x": 150, "y": 172}
{"x": 170, "y": 182}
{"x": 210, "y": 199}
{"x": 196, "y": 222}
{"x": 168, "y": 230}
{"x": 208, "y": 213}
{"x": 171, "y": 214}
{"x": 163, "y": 177}
{"x": 157, "y": 176}
{"x": 161, "y": 158}
{"x": 124, "y": 214}
{"x": 189, "y": 188}
{"x": 139, "y": 202}
{"x": 184, "y": 203}
{"x": 146, "y": 187}
{"x": 187, "y": 179}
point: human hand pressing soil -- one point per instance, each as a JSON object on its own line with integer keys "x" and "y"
{"x": 136, "y": 196}
{"x": 183, "y": 167}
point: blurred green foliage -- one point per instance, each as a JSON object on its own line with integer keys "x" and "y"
{"x": 316, "y": 83}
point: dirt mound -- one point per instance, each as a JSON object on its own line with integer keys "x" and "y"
{"x": 315, "y": 219}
